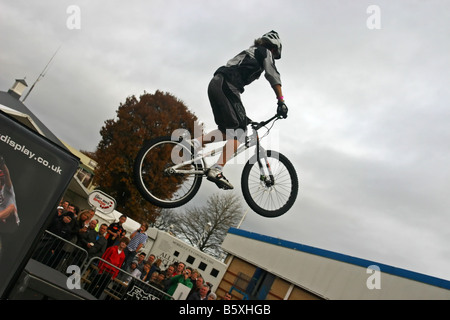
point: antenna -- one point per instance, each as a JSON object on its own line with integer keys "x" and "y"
{"x": 43, "y": 73}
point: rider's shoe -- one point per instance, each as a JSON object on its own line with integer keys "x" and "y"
{"x": 216, "y": 176}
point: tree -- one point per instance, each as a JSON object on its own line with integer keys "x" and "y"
{"x": 151, "y": 116}
{"x": 206, "y": 227}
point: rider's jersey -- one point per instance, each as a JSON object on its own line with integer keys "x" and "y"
{"x": 248, "y": 65}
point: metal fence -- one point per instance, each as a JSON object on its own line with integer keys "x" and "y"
{"x": 99, "y": 277}
{"x": 105, "y": 281}
{"x": 58, "y": 253}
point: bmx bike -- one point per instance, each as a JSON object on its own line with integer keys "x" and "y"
{"x": 168, "y": 173}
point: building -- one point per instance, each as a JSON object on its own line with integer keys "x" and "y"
{"x": 265, "y": 268}
{"x": 82, "y": 183}
{"x": 80, "y": 186}
{"x": 10, "y": 103}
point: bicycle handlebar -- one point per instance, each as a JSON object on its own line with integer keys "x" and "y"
{"x": 259, "y": 125}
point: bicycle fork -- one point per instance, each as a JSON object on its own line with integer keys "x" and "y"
{"x": 266, "y": 175}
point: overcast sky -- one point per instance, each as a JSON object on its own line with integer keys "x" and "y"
{"x": 368, "y": 127}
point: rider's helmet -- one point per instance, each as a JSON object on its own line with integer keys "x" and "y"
{"x": 275, "y": 40}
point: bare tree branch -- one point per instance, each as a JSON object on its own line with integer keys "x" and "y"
{"x": 206, "y": 227}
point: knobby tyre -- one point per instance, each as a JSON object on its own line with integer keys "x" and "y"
{"x": 153, "y": 180}
{"x": 270, "y": 199}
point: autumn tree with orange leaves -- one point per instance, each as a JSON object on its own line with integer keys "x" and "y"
{"x": 138, "y": 120}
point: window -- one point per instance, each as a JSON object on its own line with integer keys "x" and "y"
{"x": 190, "y": 260}
{"x": 214, "y": 273}
{"x": 84, "y": 177}
{"x": 176, "y": 253}
{"x": 202, "y": 266}
{"x": 92, "y": 163}
{"x": 260, "y": 285}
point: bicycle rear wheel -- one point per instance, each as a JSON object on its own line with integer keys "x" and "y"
{"x": 154, "y": 180}
{"x": 270, "y": 196}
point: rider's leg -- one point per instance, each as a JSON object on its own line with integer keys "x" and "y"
{"x": 228, "y": 151}
{"x": 199, "y": 142}
{"x": 213, "y": 136}
{"x": 228, "y": 112}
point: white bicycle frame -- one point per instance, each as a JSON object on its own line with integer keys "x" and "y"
{"x": 250, "y": 141}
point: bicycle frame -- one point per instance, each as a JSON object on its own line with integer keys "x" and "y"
{"x": 250, "y": 141}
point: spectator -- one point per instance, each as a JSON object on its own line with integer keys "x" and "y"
{"x": 183, "y": 278}
{"x": 115, "y": 230}
{"x": 137, "y": 241}
{"x": 65, "y": 205}
{"x": 196, "y": 285}
{"x": 151, "y": 259}
{"x": 168, "y": 273}
{"x": 145, "y": 275}
{"x": 115, "y": 255}
{"x": 91, "y": 214}
{"x": 159, "y": 282}
{"x": 95, "y": 242}
{"x": 201, "y": 294}
{"x": 84, "y": 217}
{"x": 74, "y": 209}
{"x": 60, "y": 210}
{"x": 71, "y": 254}
{"x": 82, "y": 225}
{"x": 133, "y": 271}
{"x": 93, "y": 225}
{"x": 227, "y": 296}
{"x": 194, "y": 276}
{"x": 156, "y": 266}
{"x": 50, "y": 249}
{"x": 63, "y": 225}
{"x": 179, "y": 269}
{"x": 116, "y": 242}
{"x": 211, "y": 296}
{"x": 153, "y": 276}
{"x": 141, "y": 261}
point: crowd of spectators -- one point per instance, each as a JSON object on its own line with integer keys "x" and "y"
{"x": 111, "y": 244}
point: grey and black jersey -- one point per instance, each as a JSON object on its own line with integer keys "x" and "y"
{"x": 248, "y": 65}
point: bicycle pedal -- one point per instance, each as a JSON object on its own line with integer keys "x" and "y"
{"x": 219, "y": 185}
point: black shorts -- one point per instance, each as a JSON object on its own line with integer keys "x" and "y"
{"x": 229, "y": 112}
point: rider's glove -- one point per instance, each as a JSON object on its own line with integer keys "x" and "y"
{"x": 282, "y": 110}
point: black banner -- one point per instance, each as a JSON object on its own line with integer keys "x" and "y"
{"x": 34, "y": 174}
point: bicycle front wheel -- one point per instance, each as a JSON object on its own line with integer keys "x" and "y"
{"x": 270, "y": 190}
{"x": 154, "y": 178}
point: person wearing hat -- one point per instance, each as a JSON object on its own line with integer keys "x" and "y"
{"x": 224, "y": 95}
{"x": 132, "y": 271}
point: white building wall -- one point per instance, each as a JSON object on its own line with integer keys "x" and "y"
{"x": 326, "y": 277}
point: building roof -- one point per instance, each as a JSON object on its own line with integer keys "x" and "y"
{"x": 442, "y": 283}
{"x": 27, "y": 117}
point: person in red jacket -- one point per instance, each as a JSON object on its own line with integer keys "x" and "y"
{"x": 108, "y": 267}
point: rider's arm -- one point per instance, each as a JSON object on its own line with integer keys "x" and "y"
{"x": 271, "y": 73}
{"x": 278, "y": 92}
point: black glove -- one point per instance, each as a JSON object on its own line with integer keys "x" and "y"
{"x": 282, "y": 110}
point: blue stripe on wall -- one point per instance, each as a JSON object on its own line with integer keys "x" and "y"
{"x": 344, "y": 258}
